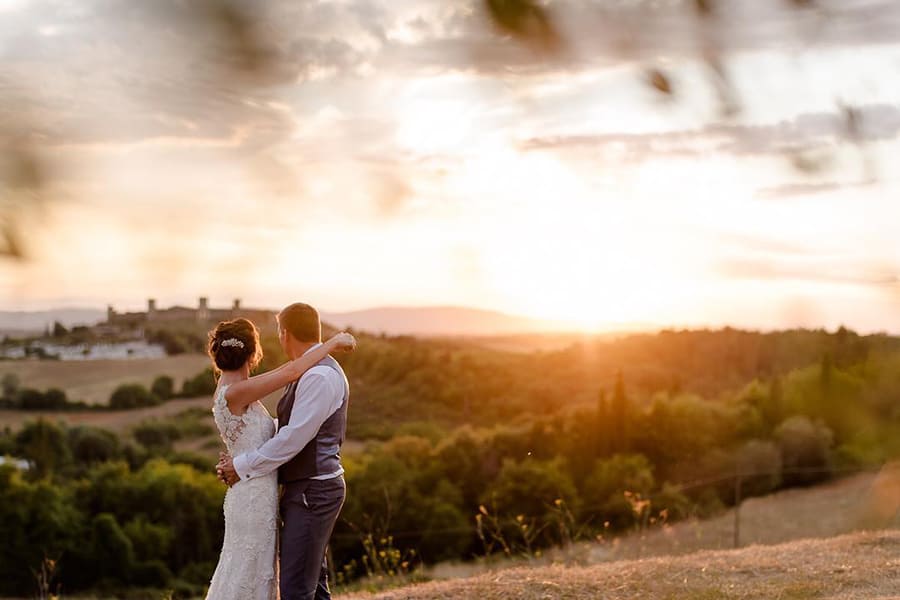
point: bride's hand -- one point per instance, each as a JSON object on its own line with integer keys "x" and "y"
{"x": 344, "y": 342}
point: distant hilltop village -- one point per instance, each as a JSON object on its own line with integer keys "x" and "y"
{"x": 202, "y": 314}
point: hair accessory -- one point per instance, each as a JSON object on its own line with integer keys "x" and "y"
{"x": 233, "y": 342}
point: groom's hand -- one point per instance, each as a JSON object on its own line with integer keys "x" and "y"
{"x": 225, "y": 470}
{"x": 345, "y": 342}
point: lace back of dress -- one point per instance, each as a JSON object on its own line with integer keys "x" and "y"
{"x": 241, "y": 432}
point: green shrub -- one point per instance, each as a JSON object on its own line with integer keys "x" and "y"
{"x": 45, "y": 444}
{"x": 150, "y": 540}
{"x": 92, "y": 445}
{"x": 156, "y": 436}
{"x": 805, "y": 449}
{"x": 202, "y": 384}
{"x": 759, "y": 463}
{"x": 112, "y": 550}
{"x": 131, "y": 395}
{"x": 152, "y": 573}
{"x": 9, "y": 386}
{"x": 202, "y": 463}
{"x": 163, "y": 387}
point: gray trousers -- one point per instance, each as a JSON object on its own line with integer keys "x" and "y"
{"x": 309, "y": 510}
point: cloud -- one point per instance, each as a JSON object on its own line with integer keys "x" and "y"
{"x": 115, "y": 71}
{"x": 873, "y": 123}
{"x": 793, "y": 190}
{"x": 119, "y": 72}
{"x": 765, "y": 245}
{"x": 391, "y": 192}
{"x": 811, "y": 270}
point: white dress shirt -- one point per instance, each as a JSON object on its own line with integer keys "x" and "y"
{"x": 318, "y": 395}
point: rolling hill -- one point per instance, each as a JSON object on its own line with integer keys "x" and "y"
{"x": 29, "y": 322}
{"x": 440, "y": 321}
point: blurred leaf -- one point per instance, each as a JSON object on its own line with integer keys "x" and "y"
{"x": 809, "y": 161}
{"x": 25, "y": 171}
{"x": 525, "y": 20}
{"x": 230, "y": 42}
{"x": 852, "y": 122}
{"x": 12, "y": 246}
{"x": 22, "y": 179}
{"x": 660, "y": 81}
{"x": 704, "y": 7}
{"x": 249, "y": 50}
{"x": 728, "y": 97}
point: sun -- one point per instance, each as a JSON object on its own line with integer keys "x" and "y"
{"x": 554, "y": 250}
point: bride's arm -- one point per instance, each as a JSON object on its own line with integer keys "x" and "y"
{"x": 241, "y": 394}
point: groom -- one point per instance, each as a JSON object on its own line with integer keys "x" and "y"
{"x": 312, "y": 420}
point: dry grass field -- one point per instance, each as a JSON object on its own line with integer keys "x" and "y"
{"x": 93, "y": 381}
{"x": 849, "y": 567}
{"x": 839, "y": 507}
{"x": 118, "y": 421}
{"x": 834, "y": 508}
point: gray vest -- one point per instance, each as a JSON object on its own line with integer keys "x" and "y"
{"x": 322, "y": 455}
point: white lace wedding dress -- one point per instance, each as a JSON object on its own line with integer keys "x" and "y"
{"x": 247, "y": 567}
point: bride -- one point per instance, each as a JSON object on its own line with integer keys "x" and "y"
{"x": 247, "y": 567}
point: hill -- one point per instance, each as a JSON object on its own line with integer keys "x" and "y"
{"x": 440, "y": 321}
{"x": 849, "y": 567}
{"x": 21, "y": 322}
{"x": 421, "y": 321}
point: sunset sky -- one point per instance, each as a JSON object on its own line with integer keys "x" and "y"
{"x": 406, "y": 154}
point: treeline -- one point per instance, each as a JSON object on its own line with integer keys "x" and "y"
{"x": 401, "y": 382}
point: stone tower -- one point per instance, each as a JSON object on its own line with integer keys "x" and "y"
{"x": 203, "y": 309}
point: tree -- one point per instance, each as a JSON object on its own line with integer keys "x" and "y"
{"x": 9, "y": 385}
{"x": 156, "y": 436}
{"x": 773, "y": 407}
{"x": 113, "y": 552}
{"x": 131, "y": 395}
{"x": 619, "y": 417}
{"x": 602, "y": 426}
{"x": 605, "y": 488}
{"x": 55, "y": 399}
{"x": 805, "y": 450}
{"x": 45, "y": 445}
{"x": 826, "y": 372}
{"x": 163, "y": 387}
{"x": 91, "y": 445}
{"x": 59, "y": 330}
{"x": 759, "y": 466}
{"x": 52, "y": 399}
{"x": 202, "y": 384}
{"x": 38, "y": 521}
{"x": 31, "y": 399}
{"x": 531, "y": 488}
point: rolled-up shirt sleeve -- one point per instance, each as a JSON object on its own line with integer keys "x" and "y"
{"x": 316, "y": 398}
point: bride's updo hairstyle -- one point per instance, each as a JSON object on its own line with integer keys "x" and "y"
{"x": 233, "y": 343}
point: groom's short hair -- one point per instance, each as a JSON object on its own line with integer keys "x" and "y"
{"x": 301, "y": 321}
